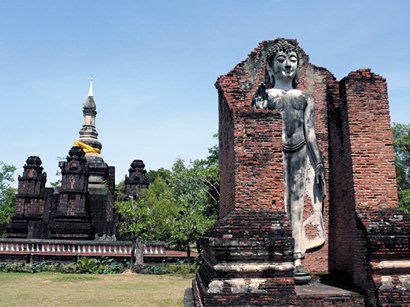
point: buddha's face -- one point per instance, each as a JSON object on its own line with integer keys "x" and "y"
{"x": 284, "y": 66}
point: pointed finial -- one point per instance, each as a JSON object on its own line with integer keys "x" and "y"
{"x": 91, "y": 88}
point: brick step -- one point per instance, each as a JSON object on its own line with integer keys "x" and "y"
{"x": 326, "y": 295}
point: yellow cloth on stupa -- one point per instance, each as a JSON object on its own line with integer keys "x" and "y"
{"x": 87, "y": 148}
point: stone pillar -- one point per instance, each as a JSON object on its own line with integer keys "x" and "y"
{"x": 136, "y": 179}
{"x": 72, "y": 219}
{"x": 27, "y": 219}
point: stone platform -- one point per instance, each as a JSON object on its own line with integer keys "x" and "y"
{"x": 317, "y": 294}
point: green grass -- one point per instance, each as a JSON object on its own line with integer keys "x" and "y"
{"x": 76, "y": 277}
{"x": 55, "y": 289}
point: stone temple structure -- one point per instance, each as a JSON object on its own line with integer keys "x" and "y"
{"x": 82, "y": 206}
{"x": 277, "y": 103}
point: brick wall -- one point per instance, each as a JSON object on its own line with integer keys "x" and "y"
{"x": 258, "y": 156}
{"x": 387, "y": 235}
{"x": 393, "y": 290}
{"x": 226, "y": 157}
{"x": 363, "y": 192}
{"x": 371, "y": 141}
{"x": 360, "y": 135}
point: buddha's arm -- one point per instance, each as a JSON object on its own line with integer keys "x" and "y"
{"x": 312, "y": 143}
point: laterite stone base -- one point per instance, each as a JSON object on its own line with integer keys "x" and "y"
{"x": 247, "y": 261}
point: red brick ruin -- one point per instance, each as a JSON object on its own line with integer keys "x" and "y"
{"x": 248, "y": 251}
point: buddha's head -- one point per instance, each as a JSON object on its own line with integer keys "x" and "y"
{"x": 282, "y": 62}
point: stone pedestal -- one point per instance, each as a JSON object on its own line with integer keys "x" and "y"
{"x": 248, "y": 261}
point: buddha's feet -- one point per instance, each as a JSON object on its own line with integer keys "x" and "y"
{"x": 301, "y": 275}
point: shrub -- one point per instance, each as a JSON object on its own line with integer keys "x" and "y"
{"x": 104, "y": 265}
{"x": 179, "y": 267}
{"x": 21, "y": 267}
{"x": 87, "y": 265}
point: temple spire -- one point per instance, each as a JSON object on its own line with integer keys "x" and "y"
{"x": 88, "y": 133}
{"x": 88, "y": 140}
{"x": 91, "y": 88}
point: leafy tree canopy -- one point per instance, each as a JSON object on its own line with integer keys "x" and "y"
{"x": 7, "y": 195}
{"x": 148, "y": 216}
{"x": 401, "y": 144}
{"x": 165, "y": 174}
{"x": 190, "y": 186}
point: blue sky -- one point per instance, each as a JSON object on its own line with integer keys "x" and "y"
{"x": 154, "y": 65}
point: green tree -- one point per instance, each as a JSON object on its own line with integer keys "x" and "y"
{"x": 149, "y": 216}
{"x": 206, "y": 177}
{"x": 191, "y": 197}
{"x": 7, "y": 195}
{"x": 120, "y": 186}
{"x": 160, "y": 197}
{"x": 401, "y": 144}
{"x": 165, "y": 174}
